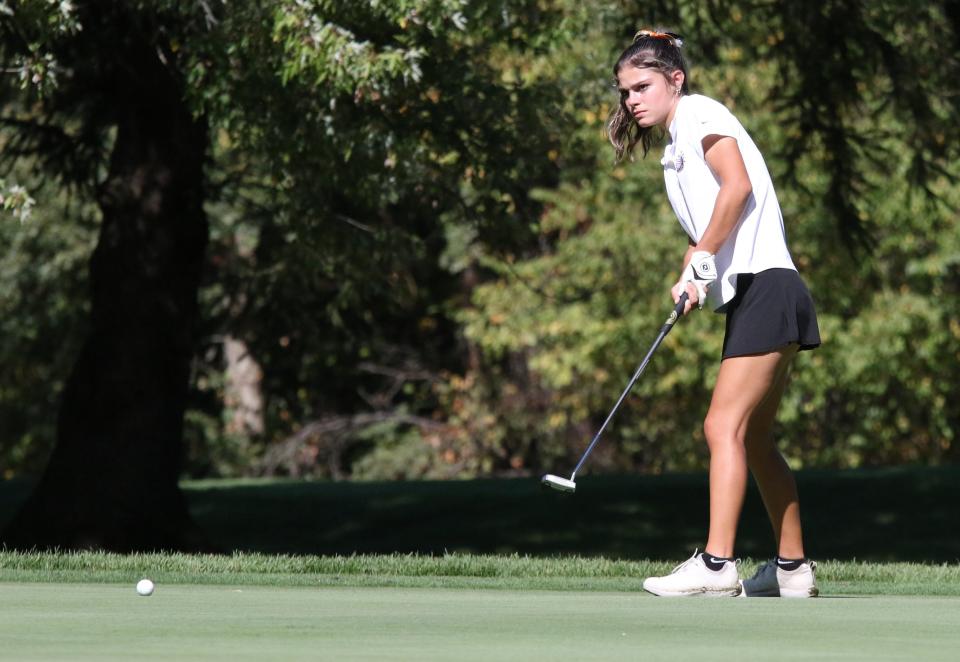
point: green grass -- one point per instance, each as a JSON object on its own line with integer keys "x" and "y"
{"x": 447, "y": 571}
{"x": 234, "y": 622}
{"x": 497, "y": 569}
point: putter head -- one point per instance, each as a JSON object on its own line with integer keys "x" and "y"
{"x": 558, "y": 483}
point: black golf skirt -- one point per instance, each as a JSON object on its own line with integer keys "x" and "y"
{"x": 772, "y": 309}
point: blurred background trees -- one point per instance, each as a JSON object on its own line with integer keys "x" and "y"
{"x": 421, "y": 260}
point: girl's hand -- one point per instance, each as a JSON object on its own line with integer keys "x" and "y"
{"x": 697, "y": 278}
{"x": 693, "y": 297}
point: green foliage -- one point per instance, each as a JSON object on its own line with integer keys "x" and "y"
{"x": 371, "y": 157}
{"x": 29, "y": 24}
{"x": 42, "y": 315}
{"x": 583, "y": 315}
{"x": 397, "y": 454}
{"x": 341, "y": 158}
{"x": 15, "y": 200}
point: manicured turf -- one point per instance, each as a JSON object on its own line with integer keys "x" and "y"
{"x": 82, "y": 621}
{"x": 447, "y": 571}
{"x": 497, "y": 569}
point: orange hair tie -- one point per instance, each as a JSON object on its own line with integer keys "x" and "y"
{"x": 675, "y": 39}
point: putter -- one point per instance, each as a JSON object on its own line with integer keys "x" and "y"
{"x": 569, "y": 484}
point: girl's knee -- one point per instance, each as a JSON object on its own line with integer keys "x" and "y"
{"x": 721, "y": 433}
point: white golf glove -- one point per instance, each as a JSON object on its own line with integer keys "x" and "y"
{"x": 701, "y": 270}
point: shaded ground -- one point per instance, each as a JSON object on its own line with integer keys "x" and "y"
{"x": 903, "y": 514}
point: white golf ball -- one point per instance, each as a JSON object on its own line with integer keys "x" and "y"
{"x": 144, "y": 587}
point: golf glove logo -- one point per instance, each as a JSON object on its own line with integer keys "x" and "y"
{"x": 702, "y": 272}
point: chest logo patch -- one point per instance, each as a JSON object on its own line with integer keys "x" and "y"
{"x": 676, "y": 162}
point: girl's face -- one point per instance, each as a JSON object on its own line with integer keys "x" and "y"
{"x": 649, "y": 96}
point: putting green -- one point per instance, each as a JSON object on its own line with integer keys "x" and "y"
{"x": 83, "y": 621}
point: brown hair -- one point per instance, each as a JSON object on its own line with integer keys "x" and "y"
{"x": 650, "y": 50}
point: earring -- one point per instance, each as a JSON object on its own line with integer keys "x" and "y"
{"x": 678, "y": 91}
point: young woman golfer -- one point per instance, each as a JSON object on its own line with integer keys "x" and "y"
{"x": 737, "y": 262}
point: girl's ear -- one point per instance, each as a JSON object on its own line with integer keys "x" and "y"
{"x": 678, "y": 78}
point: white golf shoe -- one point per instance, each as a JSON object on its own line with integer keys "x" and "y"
{"x": 772, "y": 581}
{"x": 693, "y": 577}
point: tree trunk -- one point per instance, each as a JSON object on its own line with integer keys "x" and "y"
{"x": 112, "y": 480}
{"x": 243, "y": 393}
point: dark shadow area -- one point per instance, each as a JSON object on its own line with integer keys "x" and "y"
{"x": 12, "y": 495}
{"x": 902, "y": 514}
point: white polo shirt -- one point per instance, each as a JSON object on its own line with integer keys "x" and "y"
{"x": 758, "y": 242}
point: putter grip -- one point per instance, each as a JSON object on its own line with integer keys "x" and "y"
{"x": 677, "y": 312}
{"x": 674, "y": 316}
{"x": 680, "y": 304}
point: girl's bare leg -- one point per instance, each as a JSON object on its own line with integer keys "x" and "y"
{"x": 744, "y": 405}
{"x": 774, "y": 478}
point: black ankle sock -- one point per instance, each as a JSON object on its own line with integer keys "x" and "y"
{"x": 713, "y": 562}
{"x": 789, "y": 564}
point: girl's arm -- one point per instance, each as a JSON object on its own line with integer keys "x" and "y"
{"x": 723, "y": 156}
{"x": 691, "y": 246}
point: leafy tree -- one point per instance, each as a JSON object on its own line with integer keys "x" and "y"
{"x": 117, "y": 121}
{"x": 349, "y": 138}
{"x": 43, "y": 312}
{"x": 375, "y": 181}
